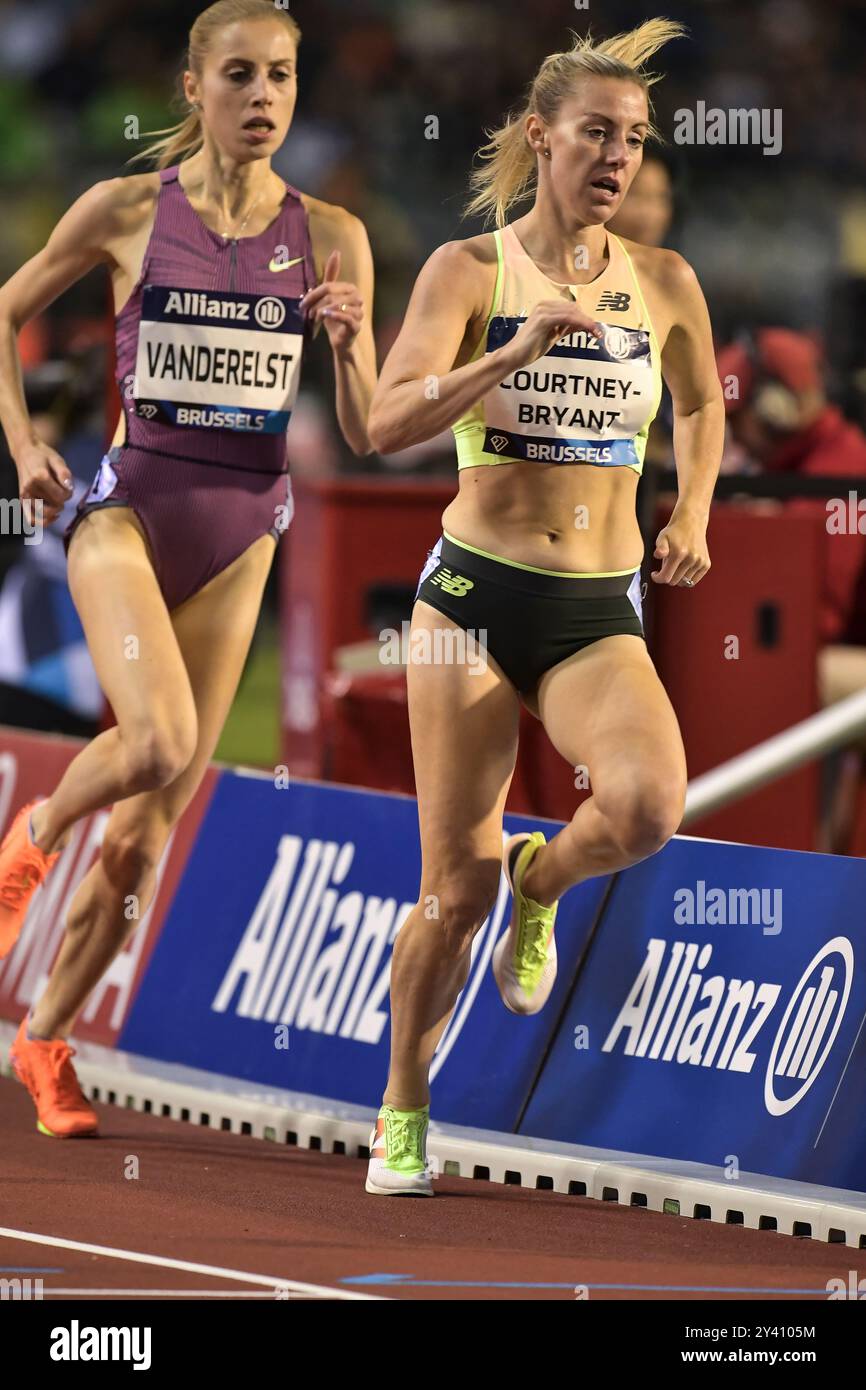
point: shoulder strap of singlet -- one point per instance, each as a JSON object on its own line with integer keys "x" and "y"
{"x": 166, "y": 176}
{"x": 500, "y": 273}
{"x": 311, "y": 279}
{"x": 656, "y": 355}
{"x": 496, "y": 301}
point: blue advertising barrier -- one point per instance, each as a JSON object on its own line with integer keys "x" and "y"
{"x": 274, "y": 961}
{"x": 719, "y": 1017}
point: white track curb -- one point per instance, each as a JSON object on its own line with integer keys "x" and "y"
{"x": 313, "y": 1122}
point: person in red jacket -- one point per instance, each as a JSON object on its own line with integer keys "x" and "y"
{"x": 780, "y": 419}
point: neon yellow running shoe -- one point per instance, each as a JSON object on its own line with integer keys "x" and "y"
{"x": 524, "y": 961}
{"x": 398, "y": 1154}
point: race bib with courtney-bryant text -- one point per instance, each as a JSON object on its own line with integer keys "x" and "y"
{"x": 218, "y": 360}
{"x": 583, "y": 401}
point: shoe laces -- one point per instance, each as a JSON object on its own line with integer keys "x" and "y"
{"x": 59, "y": 1063}
{"x": 15, "y": 887}
{"x": 534, "y": 939}
{"x": 404, "y": 1136}
{"x": 532, "y": 952}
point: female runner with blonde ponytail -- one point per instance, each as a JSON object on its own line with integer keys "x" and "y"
{"x": 546, "y": 341}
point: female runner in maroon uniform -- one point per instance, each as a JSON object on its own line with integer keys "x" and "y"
{"x": 214, "y": 265}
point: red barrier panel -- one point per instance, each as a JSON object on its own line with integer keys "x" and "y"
{"x": 358, "y": 544}
{"x": 31, "y": 765}
{"x": 352, "y": 541}
{"x": 366, "y": 739}
{"x": 761, "y": 601}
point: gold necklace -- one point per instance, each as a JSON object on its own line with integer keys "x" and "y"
{"x": 236, "y": 234}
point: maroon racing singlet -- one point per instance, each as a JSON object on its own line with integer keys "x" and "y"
{"x": 209, "y": 348}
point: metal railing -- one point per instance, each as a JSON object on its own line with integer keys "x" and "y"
{"x": 820, "y": 733}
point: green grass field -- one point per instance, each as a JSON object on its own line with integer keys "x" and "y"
{"x": 252, "y": 732}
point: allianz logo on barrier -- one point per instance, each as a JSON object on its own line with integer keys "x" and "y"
{"x": 287, "y": 971}
{"x": 319, "y": 960}
{"x": 684, "y": 1018}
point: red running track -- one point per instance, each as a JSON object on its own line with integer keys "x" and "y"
{"x": 242, "y": 1204}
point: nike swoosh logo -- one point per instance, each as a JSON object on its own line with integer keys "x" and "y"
{"x": 276, "y": 265}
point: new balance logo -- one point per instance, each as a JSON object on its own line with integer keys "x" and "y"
{"x": 276, "y": 264}
{"x": 614, "y": 300}
{"x": 454, "y": 584}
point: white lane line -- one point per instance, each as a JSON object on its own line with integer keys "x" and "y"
{"x": 162, "y": 1293}
{"x": 190, "y": 1266}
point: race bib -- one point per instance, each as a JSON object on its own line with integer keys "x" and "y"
{"x": 584, "y": 401}
{"x": 218, "y": 360}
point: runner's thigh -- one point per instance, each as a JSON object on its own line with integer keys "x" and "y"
{"x": 127, "y": 626}
{"x": 464, "y": 718}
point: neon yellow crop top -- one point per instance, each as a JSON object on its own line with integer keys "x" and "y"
{"x": 585, "y": 400}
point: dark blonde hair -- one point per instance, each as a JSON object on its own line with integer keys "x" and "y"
{"x": 179, "y": 141}
{"x": 508, "y": 169}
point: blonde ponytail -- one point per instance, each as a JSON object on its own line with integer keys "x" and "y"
{"x": 179, "y": 141}
{"x": 508, "y": 164}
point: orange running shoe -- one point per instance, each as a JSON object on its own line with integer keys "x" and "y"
{"x": 63, "y": 1111}
{"x": 23, "y": 867}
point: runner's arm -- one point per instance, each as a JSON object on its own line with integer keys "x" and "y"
{"x": 78, "y": 243}
{"x": 689, "y": 367}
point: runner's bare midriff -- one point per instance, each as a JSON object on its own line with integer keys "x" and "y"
{"x": 575, "y": 517}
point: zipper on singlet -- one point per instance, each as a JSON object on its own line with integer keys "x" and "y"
{"x": 233, "y": 264}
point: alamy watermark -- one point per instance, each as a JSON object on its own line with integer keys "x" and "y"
{"x": 846, "y": 517}
{"x": 440, "y": 646}
{"x": 736, "y": 126}
{"x": 720, "y": 907}
{"x": 77, "y": 1343}
{"x": 20, "y": 1290}
{"x": 19, "y": 518}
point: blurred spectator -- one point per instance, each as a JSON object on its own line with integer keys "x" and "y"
{"x": 394, "y": 98}
{"x": 648, "y": 210}
{"x": 646, "y": 216}
{"x": 780, "y": 420}
{"x": 47, "y": 679}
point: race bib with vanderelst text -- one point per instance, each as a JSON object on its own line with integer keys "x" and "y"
{"x": 218, "y": 360}
{"x": 584, "y": 401}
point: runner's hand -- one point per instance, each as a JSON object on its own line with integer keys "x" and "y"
{"x": 549, "y": 321}
{"x": 43, "y": 476}
{"x": 682, "y": 548}
{"x": 337, "y": 304}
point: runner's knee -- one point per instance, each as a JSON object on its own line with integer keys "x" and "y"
{"x": 644, "y": 816}
{"x": 131, "y": 855}
{"x": 462, "y": 903}
{"x": 156, "y": 756}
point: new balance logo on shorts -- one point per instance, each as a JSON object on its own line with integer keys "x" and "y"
{"x": 453, "y": 584}
{"x": 614, "y": 300}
